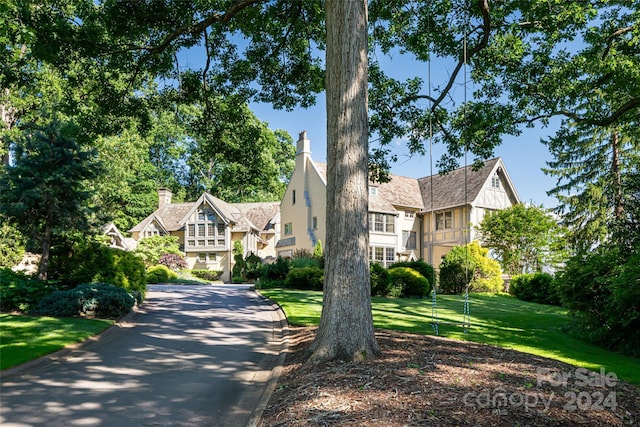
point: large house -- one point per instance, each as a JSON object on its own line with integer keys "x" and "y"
{"x": 207, "y": 229}
{"x": 408, "y": 218}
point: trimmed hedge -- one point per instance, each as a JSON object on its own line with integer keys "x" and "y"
{"x": 535, "y": 287}
{"x": 159, "y": 274}
{"x": 407, "y": 282}
{"x": 211, "y": 275}
{"x": 97, "y": 299}
{"x": 427, "y": 271}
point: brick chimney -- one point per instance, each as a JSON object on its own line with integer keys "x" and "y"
{"x": 164, "y": 197}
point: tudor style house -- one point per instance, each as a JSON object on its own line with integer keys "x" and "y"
{"x": 207, "y": 229}
{"x": 408, "y": 218}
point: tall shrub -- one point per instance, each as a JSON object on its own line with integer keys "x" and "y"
{"x": 602, "y": 291}
{"x": 535, "y": 287}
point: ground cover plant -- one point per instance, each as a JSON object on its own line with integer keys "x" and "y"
{"x": 496, "y": 320}
{"x": 24, "y": 338}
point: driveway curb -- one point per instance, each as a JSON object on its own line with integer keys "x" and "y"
{"x": 281, "y": 322}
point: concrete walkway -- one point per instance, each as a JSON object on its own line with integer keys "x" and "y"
{"x": 191, "y": 356}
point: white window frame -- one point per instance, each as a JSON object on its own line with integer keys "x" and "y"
{"x": 288, "y": 229}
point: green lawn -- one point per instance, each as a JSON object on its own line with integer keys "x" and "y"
{"x": 495, "y": 319}
{"x": 24, "y": 338}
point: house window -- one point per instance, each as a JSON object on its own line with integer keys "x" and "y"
{"x": 206, "y": 257}
{"x": 382, "y": 255}
{"x": 288, "y": 228}
{"x": 208, "y": 228}
{"x": 373, "y": 191}
{"x": 409, "y": 214}
{"x": 409, "y": 239}
{"x": 444, "y": 220}
{"x": 495, "y": 181}
{"x": 382, "y": 223}
{"x": 294, "y": 197}
{"x": 315, "y": 222}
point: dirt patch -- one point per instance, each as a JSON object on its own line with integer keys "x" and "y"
{"x": 425, "y": 380}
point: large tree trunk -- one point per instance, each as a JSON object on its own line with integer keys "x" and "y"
{"x": 346, "y": 326}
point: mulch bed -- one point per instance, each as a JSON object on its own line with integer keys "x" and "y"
{"x": 431, "y": 381}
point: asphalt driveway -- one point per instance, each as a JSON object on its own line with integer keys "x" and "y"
{"x": 191, "y": 356}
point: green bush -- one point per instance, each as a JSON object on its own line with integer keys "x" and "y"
{"x": 469, "y": 266}
{"x": 12, "y": 245}
{"x": 302, "y": 261}
{"x": 420, "y": 266}
{"x": 211, "y": 275}
{"x": 97, "y": 299}
{"x": 602, "y": 291}
{"x": 306, "y": 278}
{"x": 535, "y": 287}
{"x": 19, "y": 292}
{"x": 407, "y": 282}
{"x": 76, "y": 259}
{"x": 273, "y": 275}
{"x": 252, "y": 267}
{"x": 150, "y": 249}
{"x": 379, "y": 280}
{"x": 159, "y": 274}
{"x": 277, "y": 270}
{"x": 456, "y": 271}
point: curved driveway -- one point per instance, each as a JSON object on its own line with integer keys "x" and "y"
{"x": 191, "y": 356}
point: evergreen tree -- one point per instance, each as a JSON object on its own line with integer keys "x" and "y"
{"x": 46, "y": 192}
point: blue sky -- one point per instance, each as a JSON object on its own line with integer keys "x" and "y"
{"x": 524, "y": 156}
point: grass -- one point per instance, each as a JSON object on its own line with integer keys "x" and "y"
{"x": 498, "y": 320}
{"x": 24, "y": 338}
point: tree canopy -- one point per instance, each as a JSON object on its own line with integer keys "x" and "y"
{"x": 509, "y": 65}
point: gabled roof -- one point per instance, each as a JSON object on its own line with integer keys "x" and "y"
{"x": 399, "y": 191}
{"x": 168, "y": 216}
{"x": 244, "y": 216}
{"x": 260, "y": 214}
{"x": 456, "y": 188}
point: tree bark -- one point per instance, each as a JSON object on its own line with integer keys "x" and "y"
{"x": 346, "y": 326}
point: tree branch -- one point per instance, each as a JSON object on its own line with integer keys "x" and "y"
{"x": 611, "y": 38}
{"x": 199, "y": 27}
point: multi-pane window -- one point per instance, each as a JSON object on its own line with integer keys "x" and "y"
{"x": 382, "y": 223}
{"x": 495, "y": 181}
{"x": 206, "y": 257}
{"x": 208, "y": 230}
{"x": 382, "y": 255}
{"x": 444, "y": 220}
{"x": 409, "y": 239}
{"x": 152, "y": 230}
{"x": 409, "y": 214}
{"x": 288, "y": 228}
